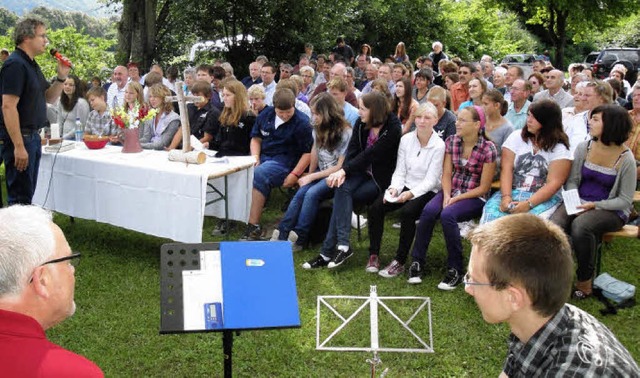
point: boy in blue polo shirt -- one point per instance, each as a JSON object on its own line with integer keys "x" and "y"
{"x": 281, "y": 141}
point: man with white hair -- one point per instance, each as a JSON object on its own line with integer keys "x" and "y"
{"x": 338, "y": 70}
{"x": 115, "y": 94}
{"x": 36, "y": 293}
{"x": 254, "y": 75}
{"x": 437, "y": 55}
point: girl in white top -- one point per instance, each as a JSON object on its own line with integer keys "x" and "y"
{"x": 72, "y": 105}
{"x": 416, "y": 179}
{"x": 535, "y": 164}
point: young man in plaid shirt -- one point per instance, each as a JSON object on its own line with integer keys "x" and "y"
{"x": 520, "y": 272}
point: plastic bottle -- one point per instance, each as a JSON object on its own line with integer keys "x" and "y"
{"x": 78, "y": 130}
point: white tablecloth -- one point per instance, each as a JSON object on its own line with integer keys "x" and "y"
{"x": 143, "y": 191}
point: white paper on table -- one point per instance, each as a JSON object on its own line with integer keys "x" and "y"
{"x": 195, "y": 143}
{"x": 571, "y": 200}
{"x": 200, "y": 287}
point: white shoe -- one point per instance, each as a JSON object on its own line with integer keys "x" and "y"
{"x": 354, "y": 221}
{"x": 275, "y": 235}
{"x": 293, "y": 237}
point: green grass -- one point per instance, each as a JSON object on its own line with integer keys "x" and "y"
{"x": 118, "y": 317}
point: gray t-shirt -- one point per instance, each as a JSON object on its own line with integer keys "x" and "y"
{"x": 326, "y": 158}
{"x": 500, "y": 134}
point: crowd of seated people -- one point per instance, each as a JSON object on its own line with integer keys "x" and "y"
{"x": 427, "y": 140}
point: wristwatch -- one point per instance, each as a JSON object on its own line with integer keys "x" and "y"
{"x": 531, "y": 206}
{"x": 60, "y": 80}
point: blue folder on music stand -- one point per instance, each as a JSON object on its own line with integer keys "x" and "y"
{"x": 258, "y": 285}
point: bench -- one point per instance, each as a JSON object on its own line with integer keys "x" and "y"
{"x": 628, "y": 231}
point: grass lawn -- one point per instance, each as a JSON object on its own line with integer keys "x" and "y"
{"x": 118, "y": 317}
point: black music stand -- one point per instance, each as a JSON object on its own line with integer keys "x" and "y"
{"x": 226, "y": 287}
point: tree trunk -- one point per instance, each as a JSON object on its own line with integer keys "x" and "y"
{"x": 137, "y": 33}
{"x": 124, "y": 33}
{"x": 150, "y": 33}
{"x": 561, "y": 30}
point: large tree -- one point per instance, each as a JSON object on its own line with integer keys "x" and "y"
{"x": 556, "y": 21}
{"x": 137, "y": 31}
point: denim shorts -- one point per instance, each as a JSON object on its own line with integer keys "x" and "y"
{"x": 269, "y": 174}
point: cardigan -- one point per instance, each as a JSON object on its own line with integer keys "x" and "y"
{"x": 621, "y": 195}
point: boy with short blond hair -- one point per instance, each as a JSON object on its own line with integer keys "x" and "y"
{"x": 99, "y": 121}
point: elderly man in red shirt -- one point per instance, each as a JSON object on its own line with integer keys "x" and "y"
{"x": 36, "y": 292}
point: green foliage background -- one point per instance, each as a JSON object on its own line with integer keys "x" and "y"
{"x": 91, "y": 56}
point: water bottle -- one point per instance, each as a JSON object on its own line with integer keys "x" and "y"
{"x": 78, "y": 130}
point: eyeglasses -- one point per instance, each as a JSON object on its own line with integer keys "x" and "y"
{"x": 467, "y": 281}
{"x": 42, "y": 36}
{"x": 307, "y": 76}
{"x": 73, "y": 258}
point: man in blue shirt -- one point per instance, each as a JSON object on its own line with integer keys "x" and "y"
{"x": 281, "y": 141}
{"x": 25, "y": 93}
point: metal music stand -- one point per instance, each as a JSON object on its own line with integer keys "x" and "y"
{"x": 225, "y": 289}
{"x": 374, "y": 302}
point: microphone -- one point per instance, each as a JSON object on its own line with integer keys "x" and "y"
{"x": 62, "y": 59}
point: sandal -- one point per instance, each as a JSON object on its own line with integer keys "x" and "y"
{"x": 579, "y": 294}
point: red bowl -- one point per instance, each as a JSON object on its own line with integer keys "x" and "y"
{"x": 95, "y": 143}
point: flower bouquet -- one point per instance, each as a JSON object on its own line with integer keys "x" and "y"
{"x": 129, "y": 121}
{"x": 132, "y": 118}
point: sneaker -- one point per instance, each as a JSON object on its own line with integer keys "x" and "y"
{"x": 293, "y": 237}
{"x": 373, "y": 265}
{"x": 392, "y": 270}
{"x": 415, "y": 273}
{"x": 354, "y": 221}
{"x": 275, "y": 236}
{"x": 220, "y": 229}
{"x": 252, "y": 232}
{"x": 340, "y": 257}
{"x": 451, "y": 280}
{"x": 466, "y": 228}
{"x": 316, "y": 263}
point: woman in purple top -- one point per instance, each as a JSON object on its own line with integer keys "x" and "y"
{"x": 469, "y": 165}
{"x": 604, "y": 173}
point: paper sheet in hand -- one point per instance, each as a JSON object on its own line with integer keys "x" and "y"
{"x": 201, "y": 290}
{"x": 572, "y": 201}
{"x": 389, "y": 198}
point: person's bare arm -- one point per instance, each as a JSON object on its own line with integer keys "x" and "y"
{"x": 12, "y": 123}
{"x": 53, "y": 93}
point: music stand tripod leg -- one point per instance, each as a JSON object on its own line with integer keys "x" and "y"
{"x": 227, "y": 347}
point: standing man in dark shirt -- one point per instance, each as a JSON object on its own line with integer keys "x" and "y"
{"x": 344, "y": 51}
{"x": 25, "y": 93}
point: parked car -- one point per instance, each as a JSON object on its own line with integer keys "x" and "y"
{"x": 590, "y": 59}
{"x": 525, "y": 61}
{"x": 609, "y": 57}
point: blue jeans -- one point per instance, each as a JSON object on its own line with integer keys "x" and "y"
{"x": 358, "y": 188}
{"x": 21, "y": 185}
{"x": 460, "y": 211}
{"x": 268, "y": 175}
{"x": 303, "y": 208}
